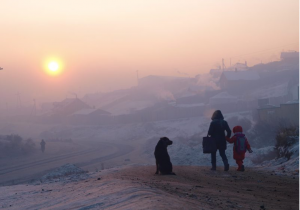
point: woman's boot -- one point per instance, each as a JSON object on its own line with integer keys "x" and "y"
{"x": 226, "y": 165}
{"x": 213, "y": 161}
{"x": 214, "y": 167}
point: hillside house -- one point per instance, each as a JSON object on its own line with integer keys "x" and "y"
{"x": 231, "y": 79}
{"x": 67, "y": 107}
{"x": 216, "y": 72}
{"x": 90, "y": 116}
{"x": 238, "y": 67}
{"x": 222, "y": 98}
{"x": 295, "y": 92}
{"x": 288, "y": 112}
{"x": 289, "y": 56}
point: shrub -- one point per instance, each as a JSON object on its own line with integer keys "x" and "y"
{"x": 28, "y": 147}
{"x": 13, "y": 145}
{"x": 285, "y": 138}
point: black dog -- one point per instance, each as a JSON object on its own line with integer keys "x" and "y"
{"x": 163, "y": 163}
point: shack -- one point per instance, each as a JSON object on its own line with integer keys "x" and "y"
{"x": 285, "y": 113}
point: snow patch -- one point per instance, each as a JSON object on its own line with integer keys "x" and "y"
{"x": 283, "y": 165}
{"x": 67, "y": 171}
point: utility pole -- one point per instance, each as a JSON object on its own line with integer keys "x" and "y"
{"x": 223, "y": 64}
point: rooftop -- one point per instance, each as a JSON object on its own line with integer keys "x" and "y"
{"x": 90, "y": 111}
{"x": 240, "y": 75}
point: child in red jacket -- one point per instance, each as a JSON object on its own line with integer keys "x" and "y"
{"x": 240, "y": 146}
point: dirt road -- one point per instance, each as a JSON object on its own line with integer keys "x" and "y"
{"x": 198, "y": 187}
{"x": 136, "y": 187}
{"x": 24, "y": 171}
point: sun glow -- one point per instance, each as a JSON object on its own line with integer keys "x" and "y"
{"x": 53, "y": 67}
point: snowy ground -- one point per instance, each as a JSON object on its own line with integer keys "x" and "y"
{"x": 283, "y": 166}
{"x": 136, "y": 187}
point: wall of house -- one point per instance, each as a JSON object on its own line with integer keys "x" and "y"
{"x": 290, "y": 111}
{"x": 286, "y": 112}
{"x": 268, "y": 114}
{"x": 295, "y": 92}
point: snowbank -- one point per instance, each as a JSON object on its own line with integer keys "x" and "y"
{"x": 283, "y": 165}
{"x": 67, "y": 171}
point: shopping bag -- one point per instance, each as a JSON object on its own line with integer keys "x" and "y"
{"x": 209, "y": 145}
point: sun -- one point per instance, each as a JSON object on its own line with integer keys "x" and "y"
{"x": 53, "y": 66}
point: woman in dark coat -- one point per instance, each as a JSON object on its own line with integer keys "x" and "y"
{"x": 216, "y": 130}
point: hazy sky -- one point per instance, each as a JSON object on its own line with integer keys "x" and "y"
{"x": 101, "y": 43}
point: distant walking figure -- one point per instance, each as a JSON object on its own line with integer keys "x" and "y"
{"x": 43, "y": 144}
{"x": 216, "y": 130}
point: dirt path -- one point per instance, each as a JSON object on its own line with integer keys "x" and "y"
{"x": 136, "y": 187}
{"x": 203, "y": 188}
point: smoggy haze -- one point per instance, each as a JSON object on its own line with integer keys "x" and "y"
{"x": 101, "y": 44}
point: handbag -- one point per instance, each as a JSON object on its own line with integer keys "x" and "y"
{"x": 209, "y": 145}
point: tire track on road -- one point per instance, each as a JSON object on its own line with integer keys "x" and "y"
{"x": 70, "y": 155}
{"x": 122, "y": 150}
